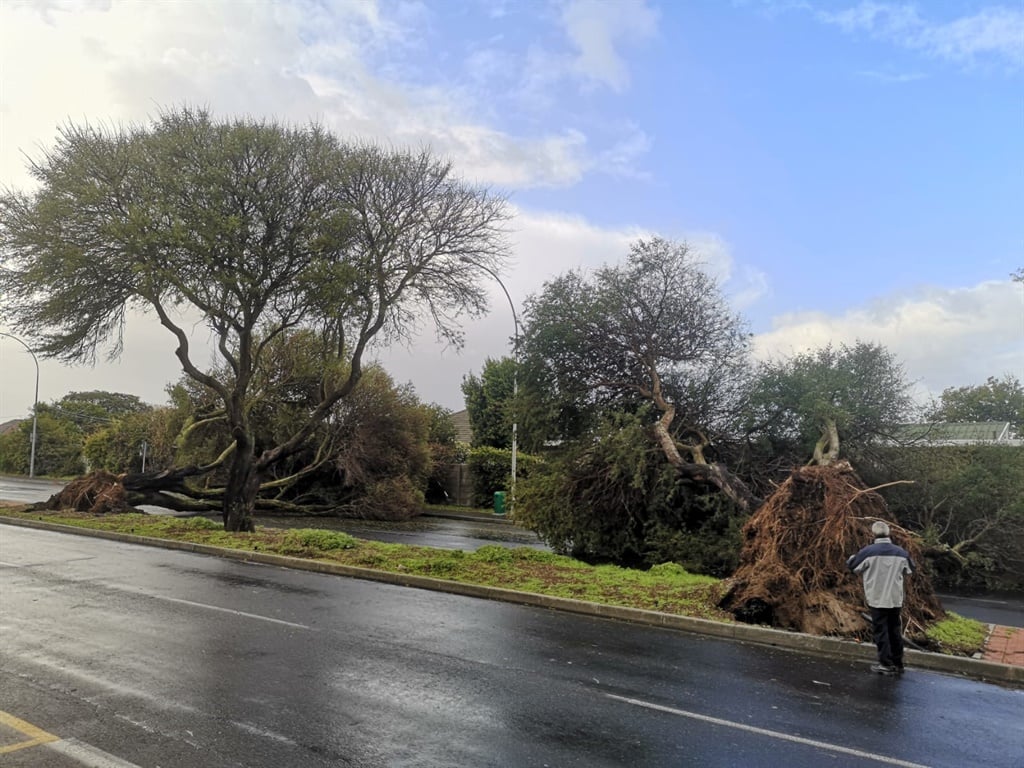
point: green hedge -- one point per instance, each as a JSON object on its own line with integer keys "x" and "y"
{"x": 491, "y": 469}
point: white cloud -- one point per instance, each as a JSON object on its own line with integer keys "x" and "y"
{"x": 597, "y": 28}
{"x": 597, "y": 32}
{"x": 297, "y": 61}
{"x": 620, "y": 159}
{"x": 943, "y": 337}
{"x": 996, "y": 32}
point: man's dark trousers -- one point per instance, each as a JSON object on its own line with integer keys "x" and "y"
{"x": 888, "y": 632}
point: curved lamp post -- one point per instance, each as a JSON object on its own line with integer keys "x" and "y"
{"x": 515, "y": 371}
{"x": 35, "y": 405}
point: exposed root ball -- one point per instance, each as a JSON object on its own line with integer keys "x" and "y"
{"x": 793, "y": 572}
{"x": 98, "y": 493}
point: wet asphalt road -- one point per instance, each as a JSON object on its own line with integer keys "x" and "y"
{"x": 26, "y": 490}
{"x": 424, "y": 531}
{"x": 993, "y": 608}
{"x": 150, "y": 657}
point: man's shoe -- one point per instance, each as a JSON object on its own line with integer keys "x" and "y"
{"x": 883, "y": 669}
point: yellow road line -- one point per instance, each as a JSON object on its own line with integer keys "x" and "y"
{"x": 36, "y": 735}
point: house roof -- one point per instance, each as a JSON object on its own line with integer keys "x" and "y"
{"x": 10, "y": 426}
{"x": 955, "y": 432}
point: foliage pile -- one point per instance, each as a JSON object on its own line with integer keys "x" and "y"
{"x": 98, "y": 493}
{"x": 614, "y": 499}
{"x": 793, "y": 572}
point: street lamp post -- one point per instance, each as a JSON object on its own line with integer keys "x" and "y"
{"x": 515, "y": 372}
{"x": 35, "y": 405}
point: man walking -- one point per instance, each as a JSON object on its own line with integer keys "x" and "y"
{"x": 883, "y": 565}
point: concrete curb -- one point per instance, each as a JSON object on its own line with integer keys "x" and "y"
{"x": 824, "y": 646}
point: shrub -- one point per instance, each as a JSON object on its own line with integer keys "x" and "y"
{"x": 388, "y": 498}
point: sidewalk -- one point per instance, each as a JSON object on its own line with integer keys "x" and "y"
{"x": 1005, "y": 645}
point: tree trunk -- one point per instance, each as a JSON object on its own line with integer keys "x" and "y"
{"x": 664, "y": 438}
{"x": 699, "y": 470}
{"x": 242, "y": 488}
{"x": 826, "y": 450}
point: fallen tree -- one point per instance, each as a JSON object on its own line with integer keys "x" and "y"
{"x": 102, "y": 493}
{"x": 793, "y": 572}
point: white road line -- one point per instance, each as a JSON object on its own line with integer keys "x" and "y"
{"x": 770, "y": 734}
{"x": 88, "y": 755}
{"x": 257, "y": 731}
{"x": 226, "y": 610}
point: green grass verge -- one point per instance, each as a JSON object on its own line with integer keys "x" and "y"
{"x": 958, "y": 636}
{"x": 667, "y": 588}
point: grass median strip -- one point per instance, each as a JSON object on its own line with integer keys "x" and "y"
{"x": 667, "y": 588}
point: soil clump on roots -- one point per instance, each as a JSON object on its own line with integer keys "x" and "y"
{"x": 793, "y": 573}
{"x": 98, "y": 493}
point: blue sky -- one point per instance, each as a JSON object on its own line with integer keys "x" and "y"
{"x": 848, "y": 170}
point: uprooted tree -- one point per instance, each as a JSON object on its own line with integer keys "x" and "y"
{"x": 793, "y": 572}
{"x": 648, "y": 368}
{"x": 257, "y": 230}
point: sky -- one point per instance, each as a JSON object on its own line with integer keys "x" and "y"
{"x": 849, "y": 171}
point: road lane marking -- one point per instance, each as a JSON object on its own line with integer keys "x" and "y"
{"x": 88, "y": 755}
{"x": 82, "y": 753}
{"x": 36, "y": 735}
{"x": 257, "y": 731}
{"x": 226, "y": 610}
{"x": 765, "y": 732}
{"x": 60, "y": 561}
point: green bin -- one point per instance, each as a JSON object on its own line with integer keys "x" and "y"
{"x": 499, "y": 502}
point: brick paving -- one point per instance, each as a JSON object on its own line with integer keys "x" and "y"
{"x": 1005, "y": 645}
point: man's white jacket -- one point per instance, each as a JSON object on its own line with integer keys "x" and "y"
{"x": 883, "y": 565}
